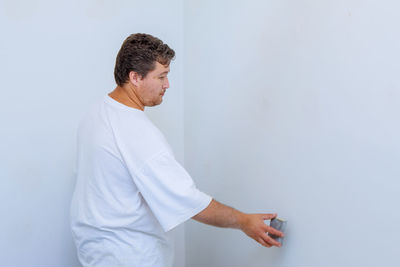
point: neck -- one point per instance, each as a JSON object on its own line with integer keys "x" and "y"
{"x": 127, "y": 96}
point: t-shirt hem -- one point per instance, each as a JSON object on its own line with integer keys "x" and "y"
{"x": 189, "y": 214}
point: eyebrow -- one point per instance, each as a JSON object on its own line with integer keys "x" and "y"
{"x": 164, "y": 72}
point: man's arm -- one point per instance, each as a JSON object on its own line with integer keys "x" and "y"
{"x": 218, "y": 214}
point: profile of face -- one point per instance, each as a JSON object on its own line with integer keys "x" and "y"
{"x": 151, "y": 88}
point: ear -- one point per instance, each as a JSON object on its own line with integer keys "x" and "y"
{"x": 135, "y": 78}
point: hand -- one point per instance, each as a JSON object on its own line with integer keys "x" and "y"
{"x": 253, "y": 225}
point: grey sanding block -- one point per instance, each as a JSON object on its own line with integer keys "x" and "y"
{"x": 280, "y": 225}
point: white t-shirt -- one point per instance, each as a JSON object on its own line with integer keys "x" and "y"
{"x": 129, "y": 192}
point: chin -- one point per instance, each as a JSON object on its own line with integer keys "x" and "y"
{"x": 154, "y": 103}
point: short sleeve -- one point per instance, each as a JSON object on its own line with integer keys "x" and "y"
{"x": 169, "y": 190}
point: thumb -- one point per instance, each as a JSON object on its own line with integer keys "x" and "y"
{"x": 269, "y": 216}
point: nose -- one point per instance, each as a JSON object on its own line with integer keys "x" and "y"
{"x": 166, "y": 84}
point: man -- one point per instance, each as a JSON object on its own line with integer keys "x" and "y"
{"x": 130, "y": 190}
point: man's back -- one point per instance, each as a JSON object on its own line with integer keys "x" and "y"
{"x": 127, "y": 185}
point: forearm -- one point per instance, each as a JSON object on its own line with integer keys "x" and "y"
{"x": 253, "y": 225}
{"x": 220, "y": 215}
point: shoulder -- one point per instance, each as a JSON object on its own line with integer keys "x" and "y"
{"x": 135, "y": 134}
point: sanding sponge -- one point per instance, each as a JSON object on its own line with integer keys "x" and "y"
{"x": 280, "y": 225}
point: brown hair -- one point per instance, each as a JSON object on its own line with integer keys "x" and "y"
{"x": 139, "y": 53}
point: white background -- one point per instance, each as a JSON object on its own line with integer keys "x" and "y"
{"x": 293, "y": 107}
{"x": 275, "y": 106}
{"x": 56, "y": 59}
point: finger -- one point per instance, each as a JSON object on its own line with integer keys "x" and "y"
{"x": 273, "y": 231}
{"x": 269, "y": 240}
{"x": 269, "y": 216}
{"x": 262, "y": 242}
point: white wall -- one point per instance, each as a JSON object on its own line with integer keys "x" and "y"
{"x": 293, "y": 107}
{"x": 56, "y": 58}
{"x": 290, "y": 107}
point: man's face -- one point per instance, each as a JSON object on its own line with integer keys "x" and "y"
{"x": 151, "y": 89}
